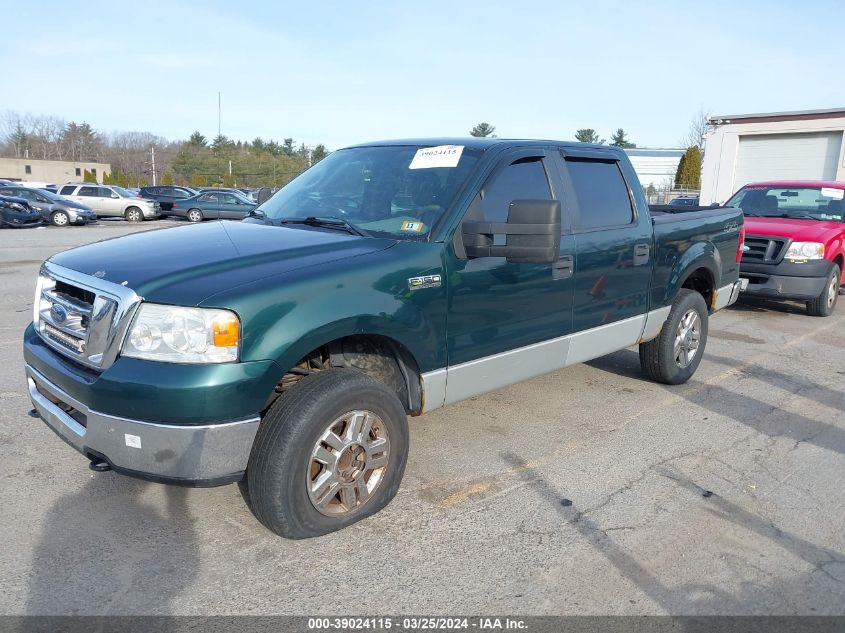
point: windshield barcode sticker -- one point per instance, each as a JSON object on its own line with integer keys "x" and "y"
{"x": 830, "y": 192}
{"x": 440, "y": 156}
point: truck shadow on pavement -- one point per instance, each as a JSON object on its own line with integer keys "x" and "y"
{"x": 145, "y": 553}
{"x": 769, "y": 419}
{"x": 702, "y": 598}
{"x": 760, "y": 304}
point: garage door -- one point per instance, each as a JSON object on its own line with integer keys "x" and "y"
{"x": 787, "y": 157}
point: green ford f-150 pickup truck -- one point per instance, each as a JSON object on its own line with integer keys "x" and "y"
{"x": 390, "y": 279}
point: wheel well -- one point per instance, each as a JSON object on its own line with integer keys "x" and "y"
{"x": 380, "y": 357}
{"x": 701, "y": 280}
{"x": 839, "y": 260}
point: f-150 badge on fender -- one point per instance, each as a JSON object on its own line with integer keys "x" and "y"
{"x": 427, "y": 281}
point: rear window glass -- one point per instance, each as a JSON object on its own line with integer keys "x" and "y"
{"x": 601, "y": 192}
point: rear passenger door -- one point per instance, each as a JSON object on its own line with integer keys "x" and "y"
{"x": 90, "y": 196}
{"x": 210, "y": 206}
{"x": 613, "y": 244}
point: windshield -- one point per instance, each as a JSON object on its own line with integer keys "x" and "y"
{"x": 46, "y": 193}
{"x": 123, "y": 192}
{"x": 396, "y": 191}
{"x": 778, "y": 201}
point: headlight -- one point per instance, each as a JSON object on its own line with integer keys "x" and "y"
{"x": 805, "y": 250}
{"x": 174, "y": 334}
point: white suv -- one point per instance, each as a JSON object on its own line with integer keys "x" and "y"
{"x": 111, "y": 200}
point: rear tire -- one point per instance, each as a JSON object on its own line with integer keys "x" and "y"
{"x": 329, "y": 452}
{"x": 825, "y": 303}
{"x": 59, "y": 218}
{"x": 133, "y": 214}
{"x": 675, "y": 354}
{"x": 194, "y": 215}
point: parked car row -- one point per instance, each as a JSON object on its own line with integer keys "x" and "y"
{"x": 53, "y": 208}
{"x": 82, "y": 203}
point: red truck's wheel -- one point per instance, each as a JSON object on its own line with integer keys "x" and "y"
{"x": 329, "y": 452}
{"x": 824, "y": 304}
{"x": 673, "y": 357}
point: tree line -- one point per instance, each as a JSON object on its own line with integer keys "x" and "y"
{"x": 195, "y": 161}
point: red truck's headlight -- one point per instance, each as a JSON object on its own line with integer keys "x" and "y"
{"x": 805, "y": 250}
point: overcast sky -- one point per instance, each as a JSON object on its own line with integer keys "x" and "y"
{"x": 345, "y": 72}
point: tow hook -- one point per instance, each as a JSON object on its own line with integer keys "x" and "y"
{"x": 99, "y": 465}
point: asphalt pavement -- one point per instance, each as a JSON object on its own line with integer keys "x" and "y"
{"x": 586, "y": 491}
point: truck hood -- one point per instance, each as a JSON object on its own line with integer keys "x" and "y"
{"x": 185, "y": 265}
{"x": 797, "y": 230}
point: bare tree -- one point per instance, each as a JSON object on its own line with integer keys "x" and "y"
{"x": 697, "y": 130}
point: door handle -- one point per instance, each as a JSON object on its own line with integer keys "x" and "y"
{"x": 641, "y": 253}
{"x": 563, "y": 267}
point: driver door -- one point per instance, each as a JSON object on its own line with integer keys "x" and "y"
{"x": 232, "y": 207}
{"x": 504, "y": 317}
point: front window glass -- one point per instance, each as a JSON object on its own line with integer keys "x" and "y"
{"x": 804, "y": 202}
{"x": 123, "y": 193}
{"x": 396, "y": 191}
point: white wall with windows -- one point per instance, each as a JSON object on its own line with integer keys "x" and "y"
{"x": 748, "y": 148}
{"x": 655, "y": 167}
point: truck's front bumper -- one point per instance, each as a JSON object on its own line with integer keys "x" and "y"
{"x": 207, "y": 455}
{"x": 786, "y": 280}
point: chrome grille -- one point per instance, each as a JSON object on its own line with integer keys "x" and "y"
{"x": 80, "y": 316}
{"x": 764, "y": 249}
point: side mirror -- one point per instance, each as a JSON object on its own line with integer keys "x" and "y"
{"x": 532, "y": 234}
{"x": 264, "y": 195}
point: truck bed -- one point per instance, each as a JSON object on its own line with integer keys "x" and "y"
{"x": 683, "y": 236}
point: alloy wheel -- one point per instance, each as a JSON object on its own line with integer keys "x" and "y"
{"x": 348, "y": 463}
{"x": 687, "y": 338}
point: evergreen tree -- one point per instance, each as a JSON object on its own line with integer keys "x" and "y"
{"x": 482, "y": 129}
{"x": 167, "y": 178}
{"x": 588, "y": 135}
{"x": 318, "y": 154}
{"x": 688, "y": 175}
{"x": 619, "y": 139}
{"x": 87, "y": 176}
{"x": 197, "y": 140}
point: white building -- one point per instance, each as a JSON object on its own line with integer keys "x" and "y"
{"x": 655, "y": 167}
{"x": 743, "y": 148}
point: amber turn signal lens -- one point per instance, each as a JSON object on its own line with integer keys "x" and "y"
{"x": 226, "y": 331}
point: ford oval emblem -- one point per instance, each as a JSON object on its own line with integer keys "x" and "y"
{"x": 58, "y": 313}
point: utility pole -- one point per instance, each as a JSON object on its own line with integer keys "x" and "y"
{"x": 153, "y": 161}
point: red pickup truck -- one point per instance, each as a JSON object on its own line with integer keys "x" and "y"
{"x": 794, "y": 241}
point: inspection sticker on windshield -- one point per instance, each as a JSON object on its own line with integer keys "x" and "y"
{"x": 440, "y": 156}
{"x": 412, "y": 226}
{"x": 830, "y": 192}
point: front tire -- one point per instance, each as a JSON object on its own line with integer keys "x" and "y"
{"x": 194, "y": 215}
{"x": 133, "y": 214}
{"x": 824, "y": 304}
{"x": 329, "y": 452}
{"x": 675, "y": 354}
{"x": 59, "y": 218}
